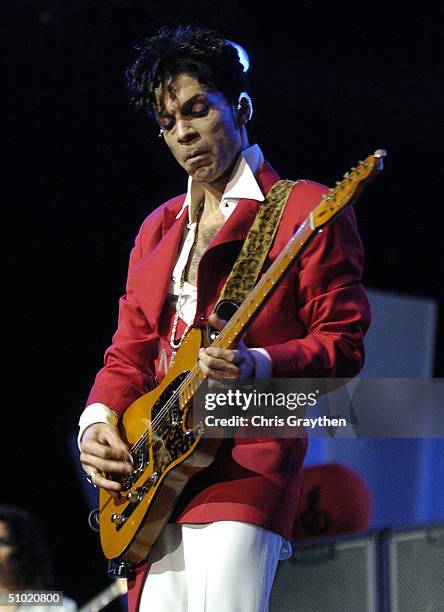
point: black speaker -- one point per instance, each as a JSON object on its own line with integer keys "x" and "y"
{"x": 334, "y": 575}
{"x": 416, "y": 569}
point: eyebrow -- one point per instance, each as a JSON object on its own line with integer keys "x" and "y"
{"x": 185, "y": 107}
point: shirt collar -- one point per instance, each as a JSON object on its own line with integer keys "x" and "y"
{"x": 242, "y": 183}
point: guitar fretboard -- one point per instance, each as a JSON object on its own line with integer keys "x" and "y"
{"x": 330, "y": 205}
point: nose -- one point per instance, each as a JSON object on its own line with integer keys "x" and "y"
{"x": 185, "y": 130}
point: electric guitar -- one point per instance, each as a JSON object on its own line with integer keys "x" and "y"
{"x": 104, "y": 598}
{"x": 166, "y": 446}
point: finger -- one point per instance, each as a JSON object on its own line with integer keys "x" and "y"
{"x": 104, "y": 483}
{"x": 105, "y": 465}
{"x": 233, "y": 356}
{"x": 111, "y": 436}
{"x": 104, "y": 434}
{"x": 217, "y": 374}
{"x": 220, "y": 365}
{"x": 100, "y": 449}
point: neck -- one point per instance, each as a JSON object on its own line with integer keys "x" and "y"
{"x": 215, "y": 190}
{"x": 212, "y": 200}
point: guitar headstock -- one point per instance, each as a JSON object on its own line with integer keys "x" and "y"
{"x": 348, "y": 190}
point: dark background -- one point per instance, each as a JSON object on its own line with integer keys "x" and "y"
{"x": 331, "y": 84}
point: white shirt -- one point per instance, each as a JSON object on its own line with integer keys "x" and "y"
{"x": 242, "y": 185}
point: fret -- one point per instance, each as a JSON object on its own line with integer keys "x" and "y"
{"x": 330, "y": 204}
{"x": 122, "y": 540}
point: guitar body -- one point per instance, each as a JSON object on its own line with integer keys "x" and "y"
{"x": 168, "y": 449}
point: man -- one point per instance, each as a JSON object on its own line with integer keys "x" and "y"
{"x": 234, "y": 519}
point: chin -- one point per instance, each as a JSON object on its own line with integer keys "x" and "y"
{"x": 204, "y": 175}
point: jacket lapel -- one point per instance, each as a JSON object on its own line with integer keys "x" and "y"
{"x": 153, "y": 273}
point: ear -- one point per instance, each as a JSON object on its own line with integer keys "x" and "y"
{"x": 244, "y": 108}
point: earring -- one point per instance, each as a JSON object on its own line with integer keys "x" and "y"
{"x": 161, "y": 132}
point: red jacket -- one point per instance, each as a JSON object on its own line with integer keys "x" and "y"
{"x": 313, "y": 326}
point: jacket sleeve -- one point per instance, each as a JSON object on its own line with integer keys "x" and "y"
{"x": 331, "y": 304}
{"x": 128, "y": 362}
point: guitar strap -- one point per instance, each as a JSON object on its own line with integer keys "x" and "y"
{"x": 250, "y": 261}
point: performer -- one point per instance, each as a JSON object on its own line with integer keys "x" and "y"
{"x": 234, "y": 519}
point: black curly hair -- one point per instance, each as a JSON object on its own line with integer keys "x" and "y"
{"x": 31, "y": 565}
{"x": 201, "y": 53}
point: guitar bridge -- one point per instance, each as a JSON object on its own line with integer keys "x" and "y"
{"x": 175, "y": 414}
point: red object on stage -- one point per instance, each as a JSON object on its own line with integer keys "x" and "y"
{"x": 333, "y": 500}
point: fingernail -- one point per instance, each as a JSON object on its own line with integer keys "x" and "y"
{"x": 130, "y": 459}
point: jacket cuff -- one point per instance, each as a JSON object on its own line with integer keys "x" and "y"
{"x": 262, "y": 362}
{"x": 95, "y": 413}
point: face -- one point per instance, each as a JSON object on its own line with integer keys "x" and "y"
{"x": 5, "y": 549}
{"x": 200, "y": 128}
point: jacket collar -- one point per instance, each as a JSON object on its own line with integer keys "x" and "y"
{"x": 242, "y": 183}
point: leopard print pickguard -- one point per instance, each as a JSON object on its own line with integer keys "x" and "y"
{"x": 169, "y": 440}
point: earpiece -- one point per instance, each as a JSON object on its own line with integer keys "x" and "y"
{"x": 244, "y": 96}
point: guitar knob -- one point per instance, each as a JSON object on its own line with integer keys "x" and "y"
{"x": 134, "y": 497}
{"x": 117, "y": 519}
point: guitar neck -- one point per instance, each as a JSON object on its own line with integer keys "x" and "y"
{"x": 252, "y": 306}
{"x": 332, "y": 203}
{"x": 105, "y": 597}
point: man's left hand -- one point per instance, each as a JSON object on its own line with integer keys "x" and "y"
{"x": 226, "y": 363}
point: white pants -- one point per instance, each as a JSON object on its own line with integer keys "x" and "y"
{"x": 226, "y": 566}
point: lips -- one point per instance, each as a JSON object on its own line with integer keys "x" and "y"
{"x": 194, "y": 154}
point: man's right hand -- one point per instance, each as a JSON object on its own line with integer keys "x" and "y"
{"x": 103, "y": 450}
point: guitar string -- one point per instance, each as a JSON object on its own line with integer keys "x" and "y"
{"x": 226, "y": 330}
{"x": 172, "y": 401}
{"x": 188, "y": 382}
{"x": 246, "y": 303}
{"x": 285, "y": 255}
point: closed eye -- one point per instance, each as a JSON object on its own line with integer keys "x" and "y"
{"x": 195, "y": 110}
{"x": 199, "y": 110}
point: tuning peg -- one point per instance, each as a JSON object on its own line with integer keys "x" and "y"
{"x": 379, "y": 155}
